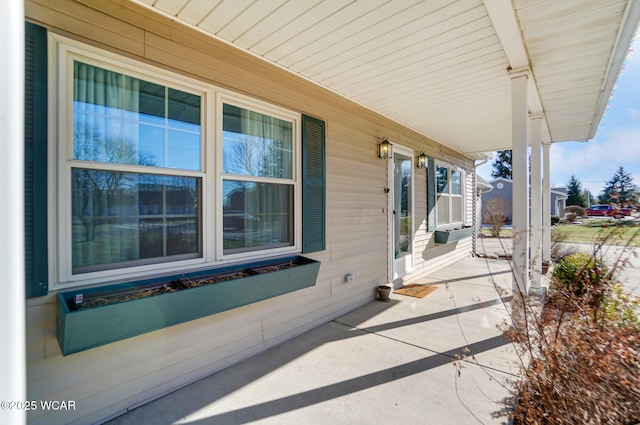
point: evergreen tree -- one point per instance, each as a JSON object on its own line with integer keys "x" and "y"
{"x": 575, "y": 194}
{"x": 620, "y": 190}
{"x": 502, "y": 165}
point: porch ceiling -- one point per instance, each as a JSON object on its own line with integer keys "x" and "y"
{"x": 438, "y": 66}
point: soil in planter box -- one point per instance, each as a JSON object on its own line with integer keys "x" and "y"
{"x": 208, "y": 280}
{"x": 275, "y": 267}
{"x": 111, "y": 298}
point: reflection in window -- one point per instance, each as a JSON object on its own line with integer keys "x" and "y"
{"x": 258, "y": 205}
{"x": 455, "y": 182}
{"x": 125, "y": 120}
{"x": 402, "y": 191}
{"x": 442, "y": 179}
{"x": 121, "y": 218}
{"x": 256, "y": 215}
{"x": 254, "y": 144}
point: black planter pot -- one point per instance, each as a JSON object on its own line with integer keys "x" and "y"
{"x": 383, "y": 293}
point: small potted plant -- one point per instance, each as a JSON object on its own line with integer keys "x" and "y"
{"x": 383, "y": 293}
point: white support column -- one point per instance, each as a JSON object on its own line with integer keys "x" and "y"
{"x": 12, "y": 292}
{"x": 546, "y": 205}
{"x": 536, "y": 200}
{"x": 520, "y": 174}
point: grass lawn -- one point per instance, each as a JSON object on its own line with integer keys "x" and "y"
{"x": 611, "y": 232}
{"x": 616, "y": 232}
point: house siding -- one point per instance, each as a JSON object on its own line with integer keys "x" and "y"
{"x": 107, "y": 380}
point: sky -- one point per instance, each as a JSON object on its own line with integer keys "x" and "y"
{"x": 616, "y": 143}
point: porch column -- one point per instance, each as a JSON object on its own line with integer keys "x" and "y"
{"x": 520, "y": 175}
{"x": 536, "y": 200}
{"x": 12, "y": 257}
{"x": 546, "y": 204}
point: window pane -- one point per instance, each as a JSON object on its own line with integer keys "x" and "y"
{"x": 442, "y": 179}
{"x": 255, "y": 144}
{"x": 124, "y": 120}
{"x": 256, "y": 215}
{"x": 442, "y": 209}
{"x": 455, "y": 182}
{"x": 456, "y": 209}
{"x": 122, "y": 219}
{"x": 402, "y": 190}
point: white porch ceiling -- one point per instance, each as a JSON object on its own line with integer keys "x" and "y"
{"x": 439, "y": 66}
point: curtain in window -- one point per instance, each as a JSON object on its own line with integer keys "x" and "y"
{"x": 100, "y": 99}
{"x": 257, "y": 213}
{"x": 105, "y": 105}
{"x": 255, "y": 144}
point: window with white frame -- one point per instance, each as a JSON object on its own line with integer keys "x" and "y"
{"x": 449, "y": 195}
{"x": 258, "y": 180}
{"x": 138, "y": 161}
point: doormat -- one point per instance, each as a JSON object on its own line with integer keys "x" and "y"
{"x": 416, "y": 290}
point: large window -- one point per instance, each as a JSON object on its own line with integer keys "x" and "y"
{"x": 144, "y": 181}
{"x": 449, "y": 195}
{"x": 258, "y": 180}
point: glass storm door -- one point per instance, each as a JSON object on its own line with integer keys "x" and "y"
{"x": 401, "y": 211}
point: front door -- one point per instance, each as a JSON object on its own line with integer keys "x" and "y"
{"x": 401, "y": 212}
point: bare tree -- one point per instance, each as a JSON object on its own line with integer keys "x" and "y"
{"x": 496, "y": 214}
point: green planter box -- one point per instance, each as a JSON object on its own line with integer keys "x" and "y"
{"x": 87, "y": 324}
{"x": 454, "y": 235}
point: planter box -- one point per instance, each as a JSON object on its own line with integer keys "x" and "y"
{"x": 176, "y": 299}
{"x": 454, "y": 235}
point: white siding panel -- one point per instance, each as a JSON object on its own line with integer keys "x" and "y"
{"x": 196, "y": 10}
{"x": 316, "y": 35}
{"x": 286, "y": 30}
{"x": 224, "y": 12}
{"x": 248, "y": 18}
{"x": 172, "y": 7}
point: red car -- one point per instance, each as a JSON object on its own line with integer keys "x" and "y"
{"x": 607, "y": 211}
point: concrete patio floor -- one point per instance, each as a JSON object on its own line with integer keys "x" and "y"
{"x": 386, "y": 362}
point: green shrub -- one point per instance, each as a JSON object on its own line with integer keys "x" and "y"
{"x": 572, "y": 212}
{"x": 555, "y": 220}
{"x": 578, "y": 272}
{"x": 619, "y": 308}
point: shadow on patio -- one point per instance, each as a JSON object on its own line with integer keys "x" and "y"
{"x": 382, "y": 362}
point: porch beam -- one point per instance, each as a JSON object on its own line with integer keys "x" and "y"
{"x": 546, "y": 204}
{"x": 535, "y": 122}
{"x": 12, "y": 257}
{"x": 520, "y": 175}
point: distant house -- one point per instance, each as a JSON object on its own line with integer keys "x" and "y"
{"x": 503, "y": 188}
{"x": 482, "y": 188}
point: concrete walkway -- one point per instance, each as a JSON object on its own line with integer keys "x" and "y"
{"x": 383, "y": 363}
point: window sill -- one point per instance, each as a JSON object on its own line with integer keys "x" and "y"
{"x": 452, "y": 235}
{"x": 82, "y": 328}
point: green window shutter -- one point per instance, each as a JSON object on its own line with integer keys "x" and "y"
{"x": 35, "y": 157}
{"x": 313, "y": 184}
{"x": 431, "y": 194}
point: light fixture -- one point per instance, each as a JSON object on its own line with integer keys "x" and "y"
{"x": 384, "y": 148}
{"x": 422, "y": 160}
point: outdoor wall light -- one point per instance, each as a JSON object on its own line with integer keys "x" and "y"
{"x": 384, "y": 148}
{"x": 422, "y": 160}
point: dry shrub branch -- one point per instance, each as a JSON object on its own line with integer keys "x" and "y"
{"x": 580, "y": 350}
